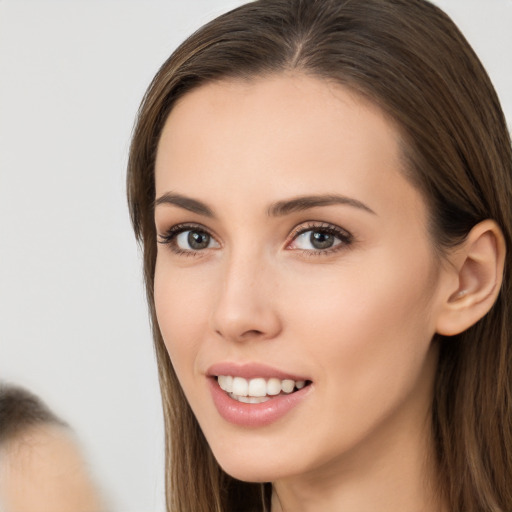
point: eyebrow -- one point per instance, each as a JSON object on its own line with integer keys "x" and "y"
{"x": 301, "y": 203}
{"x": 187, "y": 203}
{"x": 278, "y": 209}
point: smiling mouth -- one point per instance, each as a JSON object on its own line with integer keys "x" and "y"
{"x": 258, "y": 390}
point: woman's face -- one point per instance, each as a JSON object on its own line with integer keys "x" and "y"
{"x": 294, "y": 261}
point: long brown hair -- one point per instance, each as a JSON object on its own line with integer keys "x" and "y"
{"x": 410, "y": 59}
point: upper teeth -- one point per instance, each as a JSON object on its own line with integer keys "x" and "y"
{"x": 259, "y": 386}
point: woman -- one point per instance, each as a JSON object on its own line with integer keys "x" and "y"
{"x": 322, "y": 192}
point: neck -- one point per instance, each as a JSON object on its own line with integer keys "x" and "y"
{"x": 407, "y": 484}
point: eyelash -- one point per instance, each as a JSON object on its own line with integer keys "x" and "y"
{"x": 169, "y": 238}
{"x": 345, "y": 238}
{"x": 342, "y": 235}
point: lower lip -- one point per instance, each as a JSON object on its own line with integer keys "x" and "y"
{"x": 255, "y": 415}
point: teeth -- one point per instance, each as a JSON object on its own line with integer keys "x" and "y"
{"x": 250, "y": 399}
{"x": 257, "y": 387}
{"x": 240, "y": 386}
{"x": 257, "y": 390}
{"x": 226, "y": 383}
{"x": 288, "y": 385}
{"x": 273, "y": 387}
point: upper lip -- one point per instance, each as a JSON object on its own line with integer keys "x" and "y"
{"x": 251, "y": 371}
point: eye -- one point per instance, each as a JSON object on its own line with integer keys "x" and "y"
{"x": 188, "y": 239}
{"x": 320, "y": 238}
{"x": 193, "y": 240}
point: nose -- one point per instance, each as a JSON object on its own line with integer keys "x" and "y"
{"x": 246, "y": 304}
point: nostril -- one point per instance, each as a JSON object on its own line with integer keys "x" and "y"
{"x": 251, "y": 333}
{"x": 246, "y": 335}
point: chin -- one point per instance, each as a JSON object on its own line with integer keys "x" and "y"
{"x": 249, "y": 473}
{"x": 255, "y": 467}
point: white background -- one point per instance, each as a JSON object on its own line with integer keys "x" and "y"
{"x": 73, "y": 323}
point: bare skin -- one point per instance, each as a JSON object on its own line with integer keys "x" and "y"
{"x": 355, "y": 316}
{"x": 42, "y": 470}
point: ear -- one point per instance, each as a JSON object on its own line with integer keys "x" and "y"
{"x": 476, "y": 266}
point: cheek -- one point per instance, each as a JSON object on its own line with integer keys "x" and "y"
{"x": 367, "y": 336}
{"x": 181, "y": 313}
{"x": 366, "y": 326}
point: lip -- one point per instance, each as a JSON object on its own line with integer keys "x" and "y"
{"x": 251, "y": 371}
{"x": 254, "y": 415}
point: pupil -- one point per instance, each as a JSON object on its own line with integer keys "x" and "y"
{"x": 198, "y": 240}
{"x": 321, "y": 240}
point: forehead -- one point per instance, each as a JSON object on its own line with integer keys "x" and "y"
{"x": 285, "y": 134}
{"x": 277, "y": 110}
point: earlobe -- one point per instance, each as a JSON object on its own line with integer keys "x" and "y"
{"x": 478, "y": 264}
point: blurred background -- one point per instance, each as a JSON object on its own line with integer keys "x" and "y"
{"x": 73, "y": 321}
